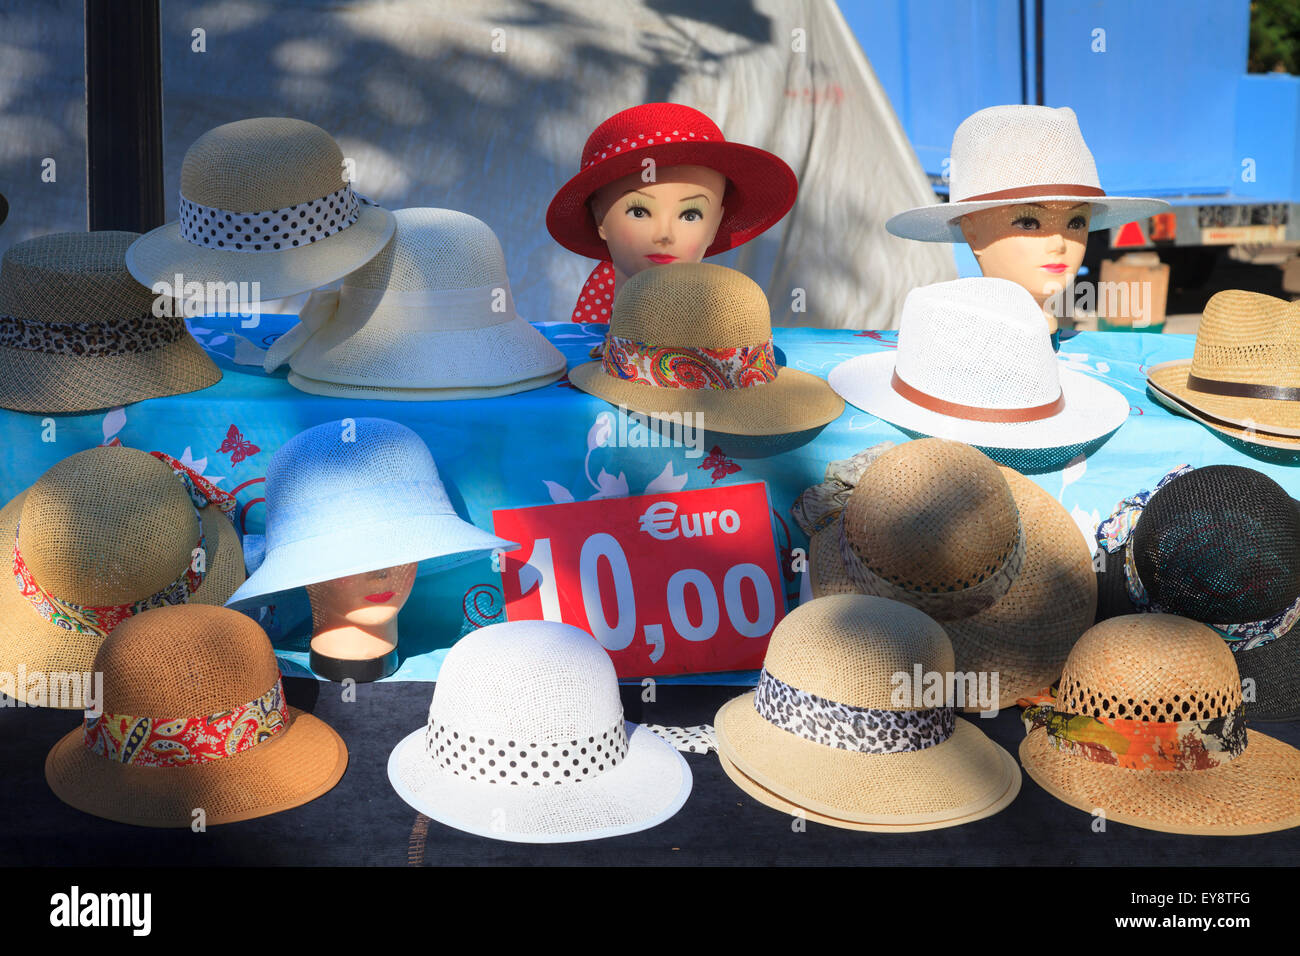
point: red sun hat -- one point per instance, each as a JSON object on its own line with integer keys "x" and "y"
{"x": 761, "y": 188}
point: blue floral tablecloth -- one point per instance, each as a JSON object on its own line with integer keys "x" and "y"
{"x": 545, "y": 445}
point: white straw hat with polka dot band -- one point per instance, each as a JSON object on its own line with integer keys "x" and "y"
{"x": 263, "y": 200}
{"x": 526, "y": 742}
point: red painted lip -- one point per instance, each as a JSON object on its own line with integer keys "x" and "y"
{"x": 1057, "y": 267}
{"x": 661, "y": 258}
{"x": 381, "y": 597}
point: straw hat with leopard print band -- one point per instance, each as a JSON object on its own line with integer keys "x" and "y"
{"x": 697, "y": 338}
{"x": 828, "y": 730}
{"x": 1243, "y": 378}
{"x": 981, "y": 548}
{"x": 263, "y": 200}
{"x": 1148, "y": 727}
{"x": 77, "y": 333}
{"x": 102, "y": 536}
{"x": 193, "y": 717}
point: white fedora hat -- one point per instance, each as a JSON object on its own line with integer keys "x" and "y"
{"x": 430, "y": 318}
{"x": 975, "y": 364}
{"x": 526, "y": 742}
{"x": 1006, "y": 155}
{"x": 263, "y": 200}
{"x": 353, "y": 496}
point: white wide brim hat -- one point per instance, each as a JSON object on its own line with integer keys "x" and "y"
{"x": 647, "y": 787}
{"x": 435, "y": 542}
{"x": 1092, "y": 409}
{"x": 941, "y": 222}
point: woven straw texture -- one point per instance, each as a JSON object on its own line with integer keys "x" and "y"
{"x": 1250, "y": 435}
{"x": 700, "y": 305}
{"x": 255, "y": 165}
{"x": 1244, "y": 337}
{"x": 979, "y": 342}
{"x": 1025, "y": 636}
{"x": 81, "y": 277}
{"x": 1165, "y": 668}
{"x": 369, "y": 353}
{"x": 1011, "y": 147}
{"x": 1221, "y": 544}
{"x": 530, "y": 683}
{"x": 191, "y": 661}
{"x": 102, "y": 527}
{"x": 847, "y": 648}
{"x": 342, "y": 501}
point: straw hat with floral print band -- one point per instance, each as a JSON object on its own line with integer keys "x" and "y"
{"x": 349, "y": 497}
{"x": 761, "y": 187}
{"x": 826, "y": 729}
{"x": 193, "y": 717}
{"x": 1219, "y": 545}
{"x": 104, "y": 535}
{"x": 78, "y": 333}
{"x": 1148, "y": 727}
{"x": 980, "y": 548}
{"x": 697, "y": 338}
{"x": 263, "y": 200}
{"x": 975, "y": 363}
{"x": 1008, "y": 155}
{"x": 1244, "y": 371}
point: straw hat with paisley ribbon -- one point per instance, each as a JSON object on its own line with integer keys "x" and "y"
{"x": 194, "y": 717}
{"x": 263, "y": 200}
{"x": 104, "y": 535}
{"x": 1243, "y": 378}
{"x": 981, "y": 548}
{"x": 78, "y": 333}
{"x": 697, "y": 338}
{"x": 1148, "y": 728}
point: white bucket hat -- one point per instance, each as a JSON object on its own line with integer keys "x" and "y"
{"x": 975, "y": 364}
{"x": 1006, "y": 155}
{"x": 349, "y": 497}
{"x": 263, "y": 200}
{"x": 526, "y": 742}
{"x": 430, "y": 318}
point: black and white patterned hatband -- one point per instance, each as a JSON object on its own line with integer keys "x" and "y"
{"x": 271, "y": 230}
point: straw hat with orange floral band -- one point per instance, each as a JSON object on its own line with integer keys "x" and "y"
{"x": 1147, "y": 726}
{"x": 760, "y": 188}
{"x": 193, "y": 717}
{"x": 104, "y": 535}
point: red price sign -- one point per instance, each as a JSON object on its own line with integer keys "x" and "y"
{"x": 678, "y": 583}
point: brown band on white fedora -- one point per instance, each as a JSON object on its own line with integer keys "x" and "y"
{"x": 1211, "y": 386}
{"x": 975, "y": 413}
{"x": 1039, "y": 189}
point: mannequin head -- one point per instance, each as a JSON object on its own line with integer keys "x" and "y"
{"x": 355, "y": 618}
{"x": 1037, "y": 245}
{"x": 676, "y": 217}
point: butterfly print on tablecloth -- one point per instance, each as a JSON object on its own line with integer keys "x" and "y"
{"x": 237, "y": 446}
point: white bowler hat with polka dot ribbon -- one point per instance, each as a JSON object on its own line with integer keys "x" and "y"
{"x": 526, "y": 742}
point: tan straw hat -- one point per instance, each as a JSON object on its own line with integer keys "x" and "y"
{"x": 103, "y": 535}
{"x": 829, "y": 732}
{"x": 77, "y": 333}
{"x": 1148, "y": 728}
{"x": 697, "y": 338}
{"x": 263, "y": 200}
{"x": 1243, "y": 378}
{"x": 430, "y": 318}
{"x": 193, "y": 718}
{"x": 977, "y": 546}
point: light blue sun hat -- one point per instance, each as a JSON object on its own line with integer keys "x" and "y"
{"x": 352, "y": 496}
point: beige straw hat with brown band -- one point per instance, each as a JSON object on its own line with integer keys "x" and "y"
{"x": 1147, "y": 727}
{"x": 77, "y": 333}
{"x": 981, "y": 548}
{"x": 827, "y": 732}
{"x": 1245, "y": 370}
{"x": 263, "y": 200}
{"x": 696, "y": 337}
{"x": 104, "y": 535}
{"x": 194, "y": 718}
